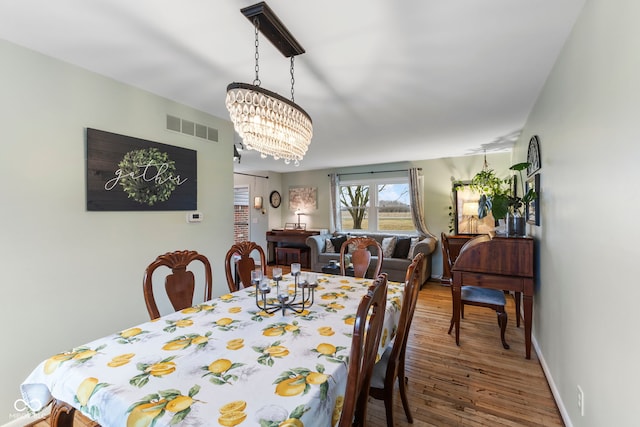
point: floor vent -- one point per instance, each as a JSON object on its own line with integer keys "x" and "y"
{"x": 188, "y": 127}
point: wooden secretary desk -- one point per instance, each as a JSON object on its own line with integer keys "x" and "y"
{"x": 504, "y": 263}
{"x": 456, "y": 242}
{"x": 287, "y": 238}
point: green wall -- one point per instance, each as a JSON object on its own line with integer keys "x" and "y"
{"x": 69, "y": 275}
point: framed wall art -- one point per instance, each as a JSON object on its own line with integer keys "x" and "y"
{"x": 533, "y": 207}
{"x": 132, "y": 174}
{"x": 533, "y": 155}
{"x": 303, "y": 199}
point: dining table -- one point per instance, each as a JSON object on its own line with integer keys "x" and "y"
{"x": 224, "y": 362}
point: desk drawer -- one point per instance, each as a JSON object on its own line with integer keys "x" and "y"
{"x": 507, "y": 283}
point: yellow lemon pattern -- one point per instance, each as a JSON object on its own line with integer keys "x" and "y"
{"x": 218, "y": 371}
{"x": 85, "y": 391}
{"x": 267, "y": 354}
{"x": 326, "y": 331}
{"x": 259, "y": 316}
{"x": 337, "y": 410}
{"x": 171, "y": 402}
{"x": 120, "y": 360}
{"x": 130, "y": 335}
{"x": 172, "y": 325}
{"x": 235, "y": 344}
{"x": 281, "y": 328}
{"x": 160, "y": 369}
{"x": 184, "y": 341}
{"x": 226, "y": 324}
{"x": 294, "y": 363}
{"x": 198, "y": 308}
{"x": 294, "y": 382}
{"x": 330, "y": 352}
{"x": 232, "y": 413}
{"x": 268, "y": 417}
{"x": 77, "y": 356}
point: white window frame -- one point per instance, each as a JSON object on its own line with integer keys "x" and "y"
{"x": 372, "y": 209}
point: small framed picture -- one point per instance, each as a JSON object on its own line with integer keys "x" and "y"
{"x": 533, "y": 207}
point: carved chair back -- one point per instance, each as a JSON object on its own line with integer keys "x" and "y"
{"x": 180, "y": 283}
{"x": 238, "y": 264}
{"x": 391, "y": 365}
{"x": 361, "y": 256}
{"x": 365, "y": 341}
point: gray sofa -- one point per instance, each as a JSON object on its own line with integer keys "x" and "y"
{"x": 395, "y": 268}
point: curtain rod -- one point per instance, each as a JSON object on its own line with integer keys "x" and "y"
{"x": 248, "y": 174}
{"x": 371, "y": 172}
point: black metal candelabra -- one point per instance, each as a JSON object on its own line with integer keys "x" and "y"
{"x": 306, "y": 284}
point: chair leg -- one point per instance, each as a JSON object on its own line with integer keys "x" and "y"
{"x": 388, "y": 407}
{"x": 450, "y": 326}
{"x": 502, "y": 321}
{"x": 402, "y": 383}
{"x": 517, "y": 298}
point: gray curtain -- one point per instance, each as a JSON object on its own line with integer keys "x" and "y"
{"x": 335, "y": 221}
{"x": 417, "y": 202}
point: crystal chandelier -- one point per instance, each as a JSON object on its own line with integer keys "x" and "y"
{"x": 266, "y": 121}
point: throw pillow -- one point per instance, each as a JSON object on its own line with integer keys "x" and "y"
{"x": 388, "y": 246}
{"x": 402, "y": 247}
{"x": 412, "y": 247}
{"x": 337, "y": 242}
{"x": 328, "y": 247}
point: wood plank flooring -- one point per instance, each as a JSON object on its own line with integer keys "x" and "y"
{"x": 476, "y": 384}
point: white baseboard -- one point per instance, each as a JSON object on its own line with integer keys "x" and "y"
{"x": 552, "y": 385}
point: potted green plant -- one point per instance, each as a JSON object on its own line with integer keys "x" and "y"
{"x": 499, "y": 196}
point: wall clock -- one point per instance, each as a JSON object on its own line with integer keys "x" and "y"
{"x": 533, "y": 155}
{"x": 275, "y": 199}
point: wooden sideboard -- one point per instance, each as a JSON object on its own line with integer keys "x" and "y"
{"x": 287, "y": 238}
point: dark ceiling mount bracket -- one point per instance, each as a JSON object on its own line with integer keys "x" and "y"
{"x": 273, "y": 29}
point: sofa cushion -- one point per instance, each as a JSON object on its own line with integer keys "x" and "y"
{"x": 388, "y": 246}
{"x": 337, "y": 242}
{"x": 402, "y": 247}
{"x": 328, "y": 247}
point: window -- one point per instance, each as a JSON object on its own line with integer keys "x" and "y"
{"x": 376, "y": 205}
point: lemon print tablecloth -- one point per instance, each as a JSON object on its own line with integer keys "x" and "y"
{"x": 224, "y": 362}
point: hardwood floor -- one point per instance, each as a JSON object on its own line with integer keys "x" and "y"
{"x": 476, "y": 384}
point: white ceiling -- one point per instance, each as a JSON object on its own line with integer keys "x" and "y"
{"x": 383, "y": 80}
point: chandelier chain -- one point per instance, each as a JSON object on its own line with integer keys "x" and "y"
{"x": 256, "y": 24}
{"x": 293, "y": 80}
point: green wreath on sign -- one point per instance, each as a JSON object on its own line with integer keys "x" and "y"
{"x": 146, "y": 175}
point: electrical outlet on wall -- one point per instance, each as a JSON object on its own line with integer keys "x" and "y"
{"x": 581, "y": 401}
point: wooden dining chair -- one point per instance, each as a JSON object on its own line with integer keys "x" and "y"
{"x": 238, "y": 264}
{"x": 478, "y": 296}
{"x": 180, "y": 283}
{"x": 364, "y": 345}
{"x": 360, "y": 256}
{"x": 392, "y": 363}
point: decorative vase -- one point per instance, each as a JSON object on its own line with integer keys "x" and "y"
{"x": 516, "y": 224}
